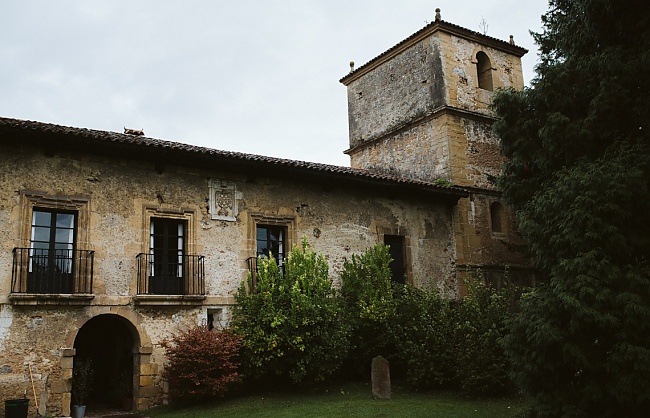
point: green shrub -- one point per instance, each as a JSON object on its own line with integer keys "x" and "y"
{"x": 291, "y": 325}
{"x": 369, "y": 307}
{"x": 482, "y": 365}
{"x": 366, "y": 286}
{"x": 82, "y": 380}
{"x": 201, "y": 363}
{"x": 423, "y": 332}
{"x": 452, "y": 344}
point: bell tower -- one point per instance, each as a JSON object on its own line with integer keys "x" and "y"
{"x": 420, "y": 110}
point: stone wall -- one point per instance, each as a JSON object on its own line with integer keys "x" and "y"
{"x": 116, "y": 198}
{"x": 477, "y": 243}
{"x": 448, "y": 146}
{"x": 416, "y": 152}
{"x": 461, "y": 79}
{"x": 395, "y": 93}
{"x": 439, "y": 70}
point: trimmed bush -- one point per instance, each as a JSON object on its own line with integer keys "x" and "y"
{"x": 423, "y": 331}
{"x": 453, "y": 344}
{"x": 291, "y": 326}
{"x": 369, "y": 307}
{"x": 201, "y": 363}
{"x": 482, "y": 364}
{"x": 296, "y": 330}
{"x": 366, "y": 286}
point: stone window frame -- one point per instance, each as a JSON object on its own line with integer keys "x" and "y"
{"x": 402, "y": 232}
{"x": 186, "y": 214}
{"x": 257, "y": 218}
{"x": 189, "y": 215}
{"x": 488, "y": 66}
{"x": 80, "y": 204}
{"x": 77, "y": 203}
{"x": 497, "y": 210}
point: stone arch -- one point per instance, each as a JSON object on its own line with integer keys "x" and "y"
{"x": 125, "y": 313}
{"x": 484, "y": 71}
{"x": 133, "y": 349}
{"x": 498, "y": 221}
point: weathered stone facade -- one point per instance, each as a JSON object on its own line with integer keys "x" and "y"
{"x": 154, "y": 236}
{"x": 420, "y": 111}
{"x": 117, "y": 186}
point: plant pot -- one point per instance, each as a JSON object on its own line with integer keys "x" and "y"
{"x": 127, "y": 404}
{"x": 16, "y": 408}
{"x": 78, "y": 411}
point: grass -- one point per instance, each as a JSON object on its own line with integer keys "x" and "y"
{"x": 350, "y": 400}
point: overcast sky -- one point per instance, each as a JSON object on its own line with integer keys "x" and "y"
{"x": 258, "y": 77}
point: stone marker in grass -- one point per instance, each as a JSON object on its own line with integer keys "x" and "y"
{"x": 380, "y": 377}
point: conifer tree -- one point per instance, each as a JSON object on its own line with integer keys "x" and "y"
{"x": 578, "y": 177}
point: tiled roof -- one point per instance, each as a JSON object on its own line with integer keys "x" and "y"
{"x": 441, "y": 25}
{"x": 185, "y": 151}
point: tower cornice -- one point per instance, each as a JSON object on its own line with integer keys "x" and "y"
{"x": 431, "y": 28}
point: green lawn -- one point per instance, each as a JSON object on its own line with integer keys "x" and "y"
{"x": 349, "y": 401}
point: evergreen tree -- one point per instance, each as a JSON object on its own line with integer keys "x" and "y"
{"x": 578, "y": 178}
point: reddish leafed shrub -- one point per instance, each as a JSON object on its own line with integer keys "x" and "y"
{"x": 201, "y": 363}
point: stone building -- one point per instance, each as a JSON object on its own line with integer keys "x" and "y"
{"x": 110, "y": 242}
{"x": 420, "y": 111}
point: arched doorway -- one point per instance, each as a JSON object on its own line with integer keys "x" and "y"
{"x": 108, "y": 341}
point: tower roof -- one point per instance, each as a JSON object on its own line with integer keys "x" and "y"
{"x": 435, "y": 26}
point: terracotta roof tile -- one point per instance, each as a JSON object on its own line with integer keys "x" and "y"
{"x": 115, "y": 139}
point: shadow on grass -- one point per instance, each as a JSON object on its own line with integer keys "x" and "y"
{"x": 346, "y": 400}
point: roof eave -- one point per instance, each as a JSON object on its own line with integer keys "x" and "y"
{"x": 424, "y": 33}
{"x": 162, "y": 153}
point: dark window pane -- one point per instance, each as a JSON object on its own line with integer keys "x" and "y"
{"x": 51, "y": 256}
{"x": 64, "y": 236}
{"x": 41, "y": 218}
{"x": 270, "y": 241}
{"x": 62, "y": 247}
{"x": 40, "y": 233}
{"x": 496, "y": 215}
{"x": 167, "y": 256}
{"x": 63, "y": 265}
{"x": 396, "y": 250}
{"x": 40, "y": 246}
{"x": 64, "y": 220}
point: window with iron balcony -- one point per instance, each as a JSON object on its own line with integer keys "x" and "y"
{"x": 168, "y": 273}
{"x": 52, "y": 266}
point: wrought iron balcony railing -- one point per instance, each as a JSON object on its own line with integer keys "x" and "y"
{"x": 251, "y": 262}
{"x": 52, "y": 271}
{"x": 252, "y": 269}
{"x": 178, "y": 275}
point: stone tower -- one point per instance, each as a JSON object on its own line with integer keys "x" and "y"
{"x": 421, "y": 110}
